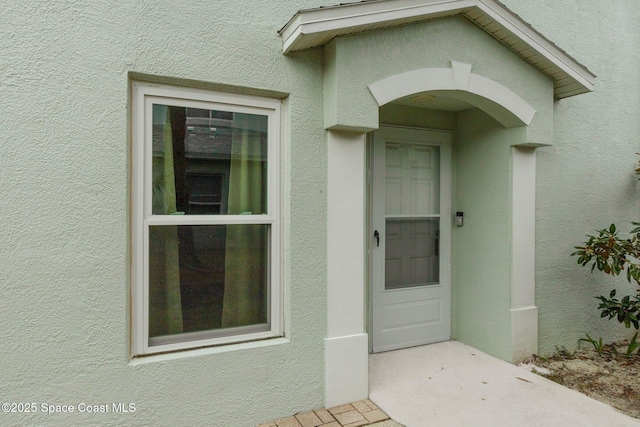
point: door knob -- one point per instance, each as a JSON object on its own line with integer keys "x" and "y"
{"x": 377, "y": 236}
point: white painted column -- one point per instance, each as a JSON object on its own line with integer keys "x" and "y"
{"x": 346, "y": 345}
{"x": 524, "y": 313}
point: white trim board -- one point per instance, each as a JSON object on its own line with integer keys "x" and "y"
{"x": 316, "y": 27}
{"x": 505, "y": 106}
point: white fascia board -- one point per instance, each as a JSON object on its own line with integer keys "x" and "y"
{"x": 291, "y": 32}
{"x": 538, "y": 42}
{"x": 322, "y": 24}
{"x": 358, "y": 15}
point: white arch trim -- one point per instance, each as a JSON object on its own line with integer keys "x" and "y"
{"x": 492, "y": 97}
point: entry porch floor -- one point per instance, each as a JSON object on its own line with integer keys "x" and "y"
{"x": 452, "y": 384}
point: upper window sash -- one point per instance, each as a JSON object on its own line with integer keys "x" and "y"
{"x": 259, "y": 106}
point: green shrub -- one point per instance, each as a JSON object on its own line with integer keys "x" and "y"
{"x": 612, "y": 255}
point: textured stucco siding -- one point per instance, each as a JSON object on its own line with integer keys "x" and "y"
{"x": 64, "y": 257}
{"x": 65, "y": 70}
{"x": 481, "y": 262}
{"x": 585, "y": 181}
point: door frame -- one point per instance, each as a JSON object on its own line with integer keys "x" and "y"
{"x": 444, "y": 139}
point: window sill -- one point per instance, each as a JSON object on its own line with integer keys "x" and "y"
{"x": 143, "y": 360}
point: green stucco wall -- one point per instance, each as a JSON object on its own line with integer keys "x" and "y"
{"x": 585, "y": 181}
{"x": 401, "y": 115}
{"x": 64, "y": 207}
{"x": 65, "y": 69}
{"x": 481, "y": 258}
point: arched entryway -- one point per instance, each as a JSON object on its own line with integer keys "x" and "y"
{"x": 492, "y": 180}
{"x": 380, "y": 53}
{"x": 472, "y": 294}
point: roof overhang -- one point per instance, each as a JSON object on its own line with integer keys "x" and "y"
{"x": 316, "y": 27}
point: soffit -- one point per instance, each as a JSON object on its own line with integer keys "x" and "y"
{"x": 316, "y": 27}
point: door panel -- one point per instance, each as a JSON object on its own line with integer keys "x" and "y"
{"x": 411, "y": 253}
{"x": 411, "y": 210}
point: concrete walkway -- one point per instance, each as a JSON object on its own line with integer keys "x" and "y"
{"x": 451, "y": 384}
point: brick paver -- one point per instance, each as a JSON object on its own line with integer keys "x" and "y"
{"x": 324, "y": 416}
{"x": 375, "y": 416}
{"x": 309, "y": 419}
{"x": 370, "y": 404}
{"x": 349, "y": 417}
{"x": 288, "y": 422}
{"x": 361, "y": 406}
{"x": 355, "y": 414}
{"x": 340, "y": 409}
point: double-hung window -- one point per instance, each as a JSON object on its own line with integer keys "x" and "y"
{"x": 205, "y": 218}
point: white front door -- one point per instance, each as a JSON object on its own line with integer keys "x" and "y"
{"x": 411, "y": 238}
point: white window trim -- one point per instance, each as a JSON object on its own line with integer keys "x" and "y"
{"x": 143, "y": 95}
